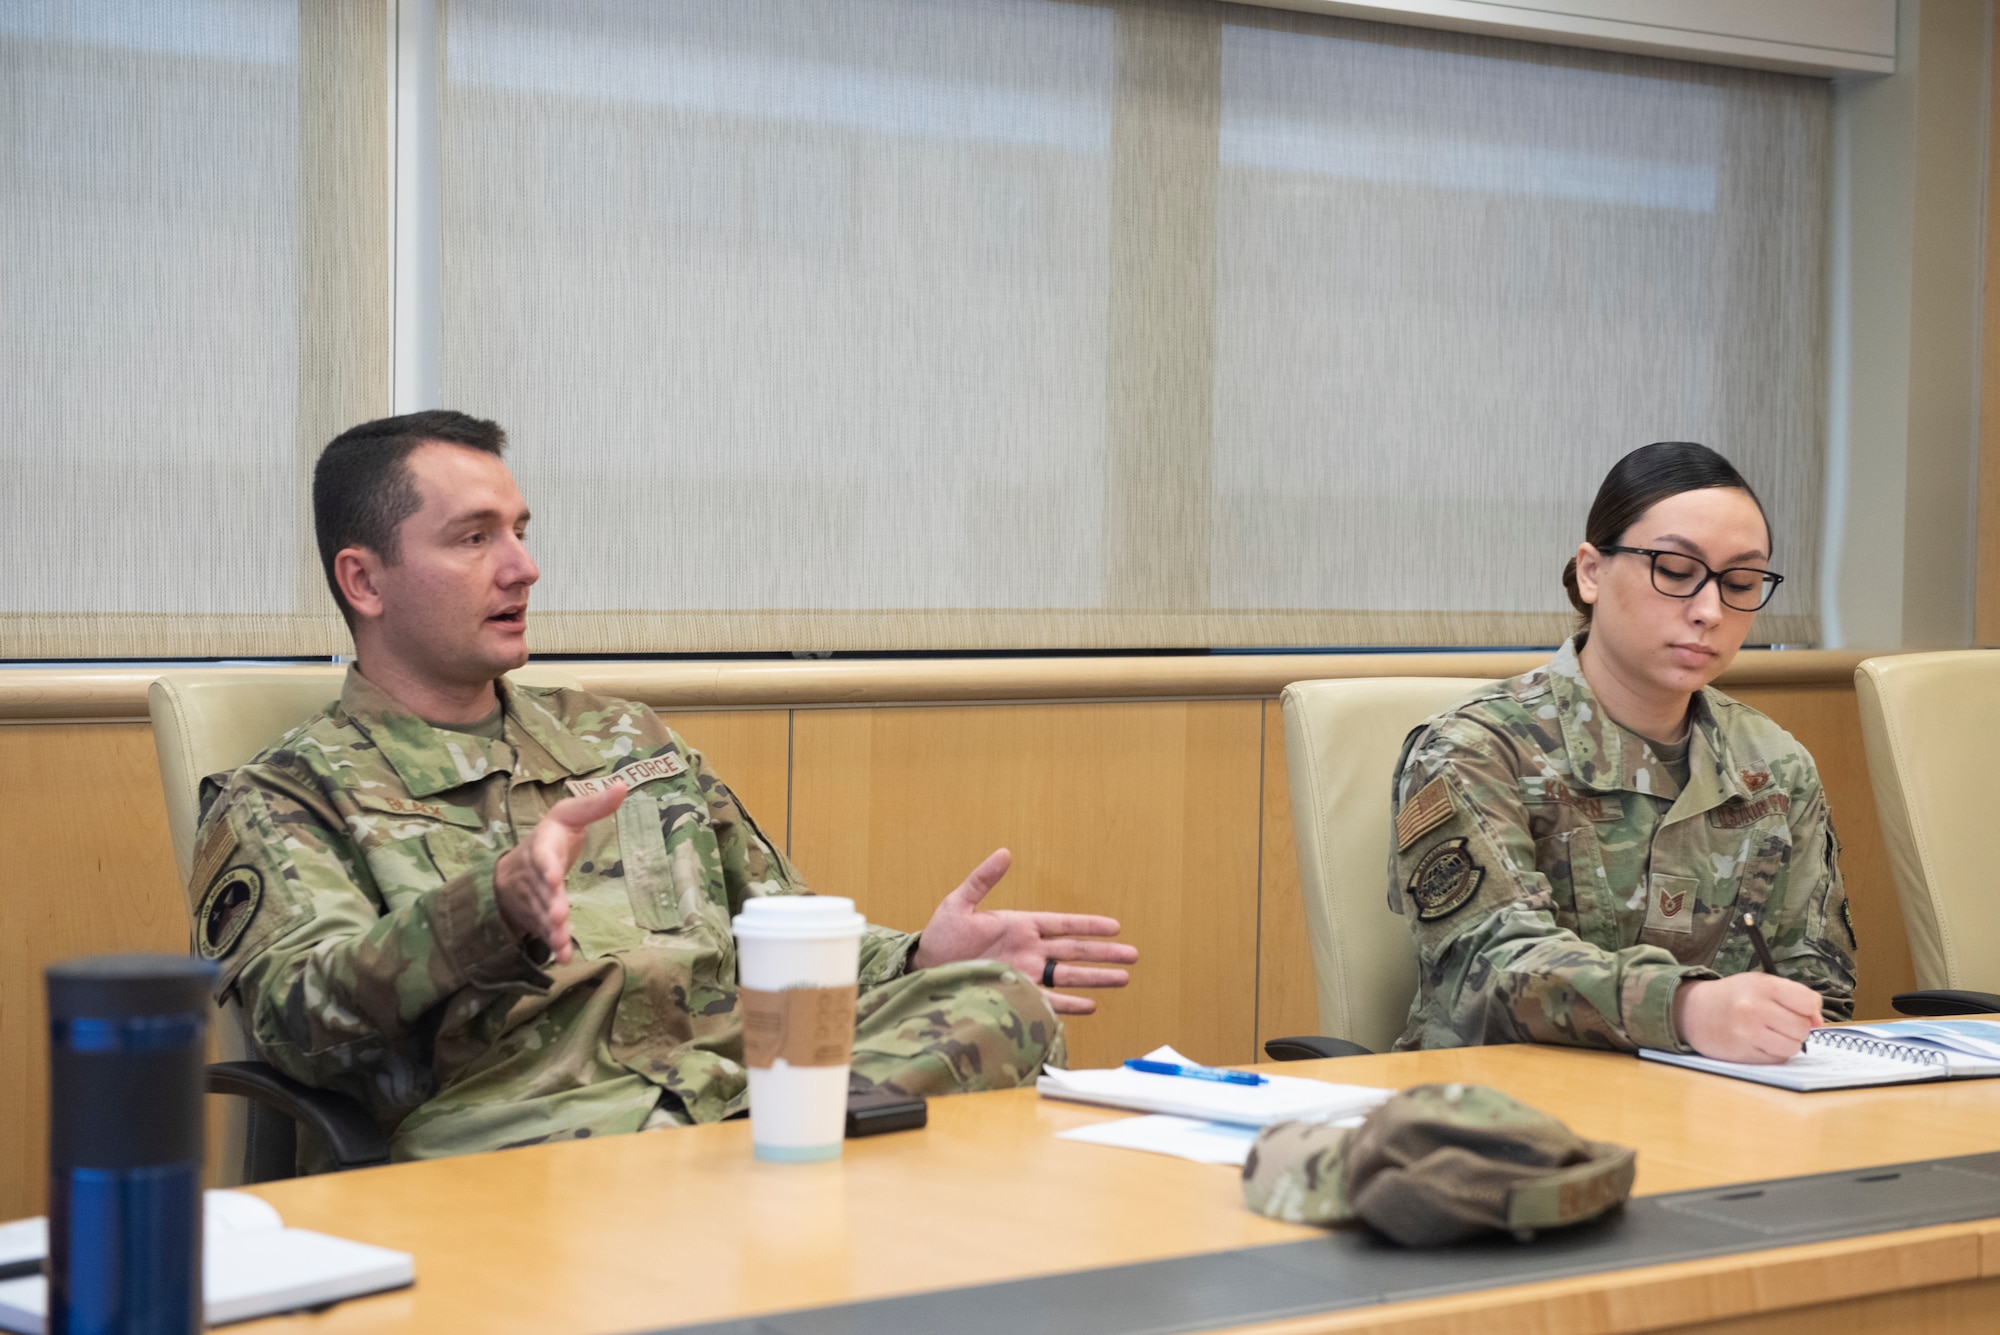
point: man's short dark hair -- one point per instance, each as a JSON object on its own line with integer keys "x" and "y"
{"x": 362, "y": 488}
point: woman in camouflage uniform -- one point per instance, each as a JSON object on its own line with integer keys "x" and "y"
{"x": 1577, "y": 848}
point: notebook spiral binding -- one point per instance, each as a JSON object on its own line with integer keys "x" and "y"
{"x": 1876, "y": 1047}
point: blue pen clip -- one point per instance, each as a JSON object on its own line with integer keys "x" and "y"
{"x": 1215, "y": 1073}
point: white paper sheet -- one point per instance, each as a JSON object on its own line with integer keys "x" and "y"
{"x": 1282, "y": 1098}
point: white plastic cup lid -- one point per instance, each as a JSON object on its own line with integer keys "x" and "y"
{"x": 798, "y": 917}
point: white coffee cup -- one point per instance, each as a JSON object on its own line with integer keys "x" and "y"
{"x": 798, "y": 959}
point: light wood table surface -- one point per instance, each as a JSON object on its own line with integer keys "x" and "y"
{"x": 632, "y": 1233}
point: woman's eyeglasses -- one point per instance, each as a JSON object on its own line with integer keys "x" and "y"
{"x": 1679, "y": 575}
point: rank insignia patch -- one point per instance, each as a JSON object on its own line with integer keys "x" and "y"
{"x": 1445, "y": 880}
{"x": 1428, "y": 808}
{"x": 226, "y": 910}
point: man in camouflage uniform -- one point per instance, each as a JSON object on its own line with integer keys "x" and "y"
{"x": 498, "y": 915}
{"x": 1562, "y": 880}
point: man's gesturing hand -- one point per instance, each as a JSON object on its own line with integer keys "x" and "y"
{"x": 960, "y": 930}
{"x": 528, "y": 878}
{"x": 1747, "y": 1017}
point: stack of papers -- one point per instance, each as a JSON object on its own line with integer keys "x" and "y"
{"x": 252, "y": 1265}
{"x": 1201, "y": 1120}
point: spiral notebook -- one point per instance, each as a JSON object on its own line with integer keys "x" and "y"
{"x": 1858, "y": 1055}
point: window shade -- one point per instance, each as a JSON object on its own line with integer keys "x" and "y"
{"x": 892, "y": 324}
{"x": 193, "y": 289}
{"x": 897, "y": 324}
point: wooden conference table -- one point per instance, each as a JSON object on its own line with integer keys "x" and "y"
{"x": 632, "y": 1233}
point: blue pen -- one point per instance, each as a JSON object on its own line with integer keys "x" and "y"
{"x": 1216, "y": 1074}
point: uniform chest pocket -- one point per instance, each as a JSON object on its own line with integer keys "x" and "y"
{"x": 642, "y": 852}
{"x": 1574, "y": 865}
{"x": 1753, "y": 867}
{"x": 407, "y": 867}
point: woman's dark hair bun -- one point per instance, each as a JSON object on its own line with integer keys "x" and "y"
{"x": 1575, "y": 594}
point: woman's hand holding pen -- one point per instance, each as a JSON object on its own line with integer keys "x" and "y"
{"x": 1747, "y": 1017}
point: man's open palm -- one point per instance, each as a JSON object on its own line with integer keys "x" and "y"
{"x": 961, "y": 930}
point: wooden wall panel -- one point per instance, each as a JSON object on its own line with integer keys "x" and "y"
{"x": 1145, "y": 811}
{"x": 1287, "y": 992}
{"x": 1827, "y": 721}
{"x": 89, "y": 869}
{"x": 752, "y": 750}
{"x": 1940, "y": 1309}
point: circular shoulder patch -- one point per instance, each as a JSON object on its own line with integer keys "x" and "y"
{"x": 1445, "y": 880}
{"x": 226, "y": 910}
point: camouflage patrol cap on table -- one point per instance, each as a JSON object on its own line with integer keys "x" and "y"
{"x": 1438, "y": 1164}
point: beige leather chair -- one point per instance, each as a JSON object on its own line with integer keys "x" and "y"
{"x": 1341, "y": 743}
{"x": 1931, "y": 724}
{"x": 209, "y": 721}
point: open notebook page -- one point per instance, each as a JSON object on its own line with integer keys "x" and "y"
{"x": 252, "y": 1265}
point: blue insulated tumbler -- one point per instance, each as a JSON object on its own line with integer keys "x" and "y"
{"x": 127, "y": 1039}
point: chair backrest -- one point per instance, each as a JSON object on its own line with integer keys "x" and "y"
{"x": 1931, "y": 725}
{"x": 1341, "y": 743}
{"x": 208, "y": 720}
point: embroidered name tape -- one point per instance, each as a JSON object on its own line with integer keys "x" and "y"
{"x": 1588, "y": 805}
{"x": 662, "y": 766}
{"x": 1735, "y": 816}
{"x": 404, "y": 806}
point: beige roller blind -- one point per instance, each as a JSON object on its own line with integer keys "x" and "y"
{"x": 193, "y": 297}
{"x": 895, "y": 324}
{"x": 913, "y": 324}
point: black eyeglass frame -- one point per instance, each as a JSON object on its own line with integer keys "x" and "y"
{"x": 1772, "y": 579}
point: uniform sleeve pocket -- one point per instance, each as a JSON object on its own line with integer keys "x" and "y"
{"x": 249, "y": 904}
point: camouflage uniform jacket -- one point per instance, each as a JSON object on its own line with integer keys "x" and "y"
{"x": 346, "y": 883}
{"x": 1560, "y": 884}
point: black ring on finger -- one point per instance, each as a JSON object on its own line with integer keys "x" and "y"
{"x": 1049, "y": 972}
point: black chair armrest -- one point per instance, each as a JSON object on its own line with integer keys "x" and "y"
{"x": 1306, "y": 1047}
{"x": 1946, "y": 1001}
{"x": 348, "y": 1133}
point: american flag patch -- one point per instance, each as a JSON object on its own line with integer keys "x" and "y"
{"x": 1429, "y": 808}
